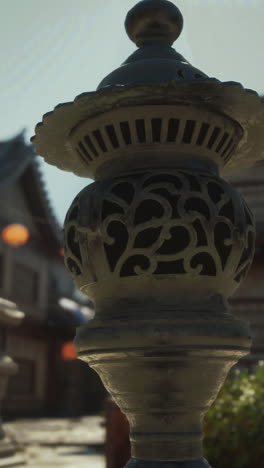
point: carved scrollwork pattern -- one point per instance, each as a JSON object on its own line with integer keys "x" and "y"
{"x": 73, "y": 259}
{"x": 175, "y": 224}
{"x": 178, "y": 223}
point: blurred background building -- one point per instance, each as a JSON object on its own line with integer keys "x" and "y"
{"x": 248, "y": 302}
{"x": 50, "y": 381}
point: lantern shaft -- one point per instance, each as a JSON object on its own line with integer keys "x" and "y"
{"x": 159, "y": 252}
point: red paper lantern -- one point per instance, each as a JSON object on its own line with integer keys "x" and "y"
{"x": 68, "y": 351}
{"x": 15, "y": 234}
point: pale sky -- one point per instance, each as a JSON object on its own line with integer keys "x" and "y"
{"x": 53, "y": 50}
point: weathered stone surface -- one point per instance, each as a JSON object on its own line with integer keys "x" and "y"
{"x": 147, "y": 249}
{"x": 67, "y": 442}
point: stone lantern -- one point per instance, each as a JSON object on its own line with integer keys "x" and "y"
{"x": 9, "y": 316}
{"x": 159, "y": 240}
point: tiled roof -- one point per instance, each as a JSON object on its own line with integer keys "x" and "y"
{"x": 18, "y": 161}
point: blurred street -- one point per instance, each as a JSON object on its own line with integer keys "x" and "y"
{"x": 60, "y": 442}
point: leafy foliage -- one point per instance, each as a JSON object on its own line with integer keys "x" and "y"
{"x": 234, "y": 426}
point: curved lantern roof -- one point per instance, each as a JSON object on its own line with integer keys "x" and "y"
{"x": 154, "y": 75}
{"x": 153, "y": 25}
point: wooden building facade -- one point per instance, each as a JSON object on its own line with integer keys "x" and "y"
{"x": 33, "y": 276}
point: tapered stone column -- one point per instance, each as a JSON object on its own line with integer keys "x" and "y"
{"x": 9, "y": 316}
{"x": 160, "y": 240}
{"x": 164, "y": 263}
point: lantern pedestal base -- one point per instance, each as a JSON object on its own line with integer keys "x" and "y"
{"x": 200, "y": 463}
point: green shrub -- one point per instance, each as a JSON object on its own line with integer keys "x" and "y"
{"x": 234, "y": 426}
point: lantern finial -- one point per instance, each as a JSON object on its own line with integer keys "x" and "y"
{"x": 154, "y": 22}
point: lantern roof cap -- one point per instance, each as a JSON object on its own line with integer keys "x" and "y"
{"x": 154, "y": 22}
{"x": 153, "y": 25}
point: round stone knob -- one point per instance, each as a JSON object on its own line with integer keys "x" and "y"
{"x": 154, "y": 22}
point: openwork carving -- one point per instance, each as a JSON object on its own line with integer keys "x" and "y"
{"x": 139, "y": 131}
{"x": 74, "y": 260}
{"x": 178, "y": 223}
{"x": 117, "y": 133}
